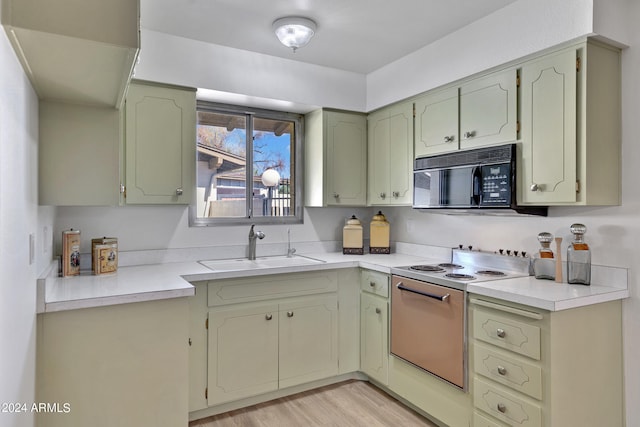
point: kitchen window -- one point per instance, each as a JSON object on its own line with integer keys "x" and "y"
{"x": 247, "y": 166}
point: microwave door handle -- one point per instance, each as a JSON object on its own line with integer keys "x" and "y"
{"x": 476, "y": 186}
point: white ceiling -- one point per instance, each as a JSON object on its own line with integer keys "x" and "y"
{"x": 352, "y": 35}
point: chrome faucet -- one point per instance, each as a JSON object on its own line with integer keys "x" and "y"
{"x": 253, "y": 235}
{"x": 290, "y": 250}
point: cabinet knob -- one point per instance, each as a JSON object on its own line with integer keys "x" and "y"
{"x": 470, "y": 134}
{"x": 378, "y": 311}
{"x": 502, "y": 407}
{"x": 449, "y": 138}
{"x": 372, "y": 284}
{"x": 501, "y": 333}
{"x": 383, "y": 195}
{"x": 336, "y": 195}
{"x": 396, "y": 194}
{"x": 289, "y": 313}
{"x": 179, "y": 191}
{"x": 190, "y": 342}
{"x": 502, "y": 370}
{"x": 534, "y": 187}
{"x": 268, "y": 316}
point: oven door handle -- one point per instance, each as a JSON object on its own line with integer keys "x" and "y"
{"x": 442, "y": 298}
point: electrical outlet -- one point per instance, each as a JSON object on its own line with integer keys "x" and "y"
{"x": 32, "y": 248}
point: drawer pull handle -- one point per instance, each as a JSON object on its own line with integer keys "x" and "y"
{"x": 289, "y": 313}
{"x": 501, "y": 333}
{"x": 502, "y": 407}
{"x": 378, "y": 311}
{"x": 442, "y": 298}
{"x": 268, "y": 316}
{"x": 372, "y": 284}
{"x": 502, "y": 370}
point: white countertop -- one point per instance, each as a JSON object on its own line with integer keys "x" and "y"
{"x": 171, "y": 280}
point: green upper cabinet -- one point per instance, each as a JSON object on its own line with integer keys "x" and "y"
{"x": 75, "y": 51}
{"x": 436, "y": 123}
{"x": 335, "y": 158}
{"x": 488, "y": 110}
{"x": 160, "y": 144}
{"x": 390, "y": 143}
{"x": 482, "y": 111}
{"x": 571, "y": 127}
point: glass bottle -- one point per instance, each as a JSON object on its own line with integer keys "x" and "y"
{"x": 544, "y": 263}
{"x": 578, "y": 257}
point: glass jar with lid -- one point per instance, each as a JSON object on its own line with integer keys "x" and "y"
{"x": 544, "y": 263}
{"x": 578, "y": 257}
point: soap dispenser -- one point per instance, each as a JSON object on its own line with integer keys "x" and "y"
{"x": 352, "y": 237}
{"x": 379, "y": 235}
{"x": 544, "y": 263}
{"x": 578, "y": 257}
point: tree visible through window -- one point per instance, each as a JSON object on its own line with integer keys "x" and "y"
{"x": 246, "y": 165}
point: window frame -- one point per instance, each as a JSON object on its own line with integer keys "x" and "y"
{"x": 297, "y": 162}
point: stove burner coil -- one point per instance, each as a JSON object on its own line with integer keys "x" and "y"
{"x": 494, "y": 273}
{"x": 460, "y": 276}
{"x": 450, "y": 265}
{"x": 428, "y": 268}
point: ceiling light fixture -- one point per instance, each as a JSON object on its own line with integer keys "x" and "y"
{"x": 294, "y": 31}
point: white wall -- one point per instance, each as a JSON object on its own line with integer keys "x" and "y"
{"x": 19, "y": 217}
{"x": 169, "y": 59}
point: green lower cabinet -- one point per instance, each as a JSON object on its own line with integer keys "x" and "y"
{"x": 256, "y": 348}
{"x": 374, "y": 337}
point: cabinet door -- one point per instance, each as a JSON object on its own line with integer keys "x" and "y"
{"x": 378, "y": 144}
{"x": 391, "y": 155}
{"x": 308, "y": 340}
{"x": 160, "y": 145}
{"x": 243, "y": 352}
{"x": 198, "y": 313}
{"x": 346, "y": 168}
{"x": 436, "y": 123}
{"x": 488, "y": 110}
{"x": 548, "y": 130}
{"x": 374, "y": 337}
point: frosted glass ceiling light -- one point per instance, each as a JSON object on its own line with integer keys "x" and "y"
{"x": 294, "y": 31}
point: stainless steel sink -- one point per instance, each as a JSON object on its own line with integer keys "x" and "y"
{"x": 262, "y": 262}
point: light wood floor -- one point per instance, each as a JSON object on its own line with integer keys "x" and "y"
{"x": 346, "y": 404}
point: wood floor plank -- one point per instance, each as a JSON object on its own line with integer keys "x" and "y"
{"x": 346, "y": 404}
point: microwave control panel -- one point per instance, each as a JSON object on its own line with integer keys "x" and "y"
{"x": 496, "y": 185}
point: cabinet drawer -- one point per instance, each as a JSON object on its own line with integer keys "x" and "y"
{"x": 505, "y": 406}
{"x": 260, "y": 288}
{"x": 507, "y": 333}
{"x": 375, "y": 282}
{"x": 510, "y": 371}
{"x": 480, "y": 420}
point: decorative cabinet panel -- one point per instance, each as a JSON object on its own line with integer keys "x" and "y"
{"x": 257, "y": 348}
{"x": 549, "y": 107}
{"x": 390, "y": 145}
{"x": 488, "y": 110}
{"x": 436, "y": 123}
{"x": 571, "y": 127}
{"x": 374, "y": 325}
{"x": 374, "y": 337}
{"x": 270, "y": 332}
{"x": 531, "y": 367}
{"x": 243, "y": 351}
{"x": 198, "y": 321}
{"x": 160, "y": 144}
{"x": 481, "y": 112}
{"x": 335, "y": 159}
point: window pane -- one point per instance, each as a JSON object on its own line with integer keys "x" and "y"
{"x": 221, "y": 170}
{"x": 273, "y": 153}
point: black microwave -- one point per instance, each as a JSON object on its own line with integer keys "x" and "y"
{"x": 481, "y": 180}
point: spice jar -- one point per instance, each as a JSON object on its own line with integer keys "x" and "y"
{"x": 578, "y": 257}
{"x": 544, "y": 263}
